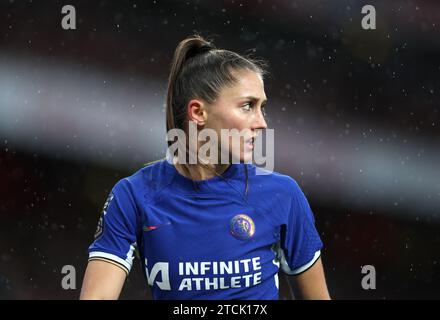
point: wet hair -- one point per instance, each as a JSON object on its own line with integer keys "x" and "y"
{"x": 200, "y": 70}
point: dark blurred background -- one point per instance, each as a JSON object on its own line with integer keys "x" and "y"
{"x": 355, "y": 113}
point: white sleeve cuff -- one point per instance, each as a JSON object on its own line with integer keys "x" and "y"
{"x": 301, "y": 269}
{"x": 99, "y": 255}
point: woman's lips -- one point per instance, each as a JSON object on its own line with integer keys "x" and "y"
{"x": 250, "y": 143}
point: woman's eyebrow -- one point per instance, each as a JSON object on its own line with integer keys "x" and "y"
{"x": 254, "y": 99}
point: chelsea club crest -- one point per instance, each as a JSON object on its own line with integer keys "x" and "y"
{"x": 242, "y": 227}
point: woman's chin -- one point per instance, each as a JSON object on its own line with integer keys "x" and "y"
{"x": 246, "y": 157}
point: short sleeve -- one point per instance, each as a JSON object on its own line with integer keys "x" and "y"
{"x": 115, "y": 237}
{"x": 300, "y": 242}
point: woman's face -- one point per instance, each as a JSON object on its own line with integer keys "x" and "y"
{"x": 240, "y": 107}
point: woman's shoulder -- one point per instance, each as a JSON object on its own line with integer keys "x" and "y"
{"x": 273, "y": 179}
{"x": 146, "y": 179}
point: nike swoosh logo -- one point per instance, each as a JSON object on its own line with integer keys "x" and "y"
{"x": 151, "y": 228}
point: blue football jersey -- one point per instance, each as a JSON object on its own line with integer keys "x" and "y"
{"x": 207, "y": 239}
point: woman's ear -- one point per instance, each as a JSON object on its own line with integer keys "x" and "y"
{"x": 197, "y": 112}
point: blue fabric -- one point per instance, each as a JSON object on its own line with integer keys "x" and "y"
{"x": 206, "y": 239}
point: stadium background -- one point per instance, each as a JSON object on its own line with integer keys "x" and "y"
{"x": 355, "y": 113}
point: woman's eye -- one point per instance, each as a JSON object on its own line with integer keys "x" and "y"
{"x": 247, "y": 106}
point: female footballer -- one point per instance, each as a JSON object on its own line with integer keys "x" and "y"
{"x": 208, "y": 229}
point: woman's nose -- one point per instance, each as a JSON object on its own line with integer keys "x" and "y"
{"x": 260, "y": 122}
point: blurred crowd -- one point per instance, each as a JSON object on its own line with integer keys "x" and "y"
{"x": 355, "y": 113}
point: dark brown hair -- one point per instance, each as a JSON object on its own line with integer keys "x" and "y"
{"x": 200, "y": 70}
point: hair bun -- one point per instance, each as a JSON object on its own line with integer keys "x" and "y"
{"x": 206, "y": 47}
{"x": 198, "y": 45}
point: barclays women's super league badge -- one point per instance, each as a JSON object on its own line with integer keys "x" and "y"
{"x": 242, "y": 227}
